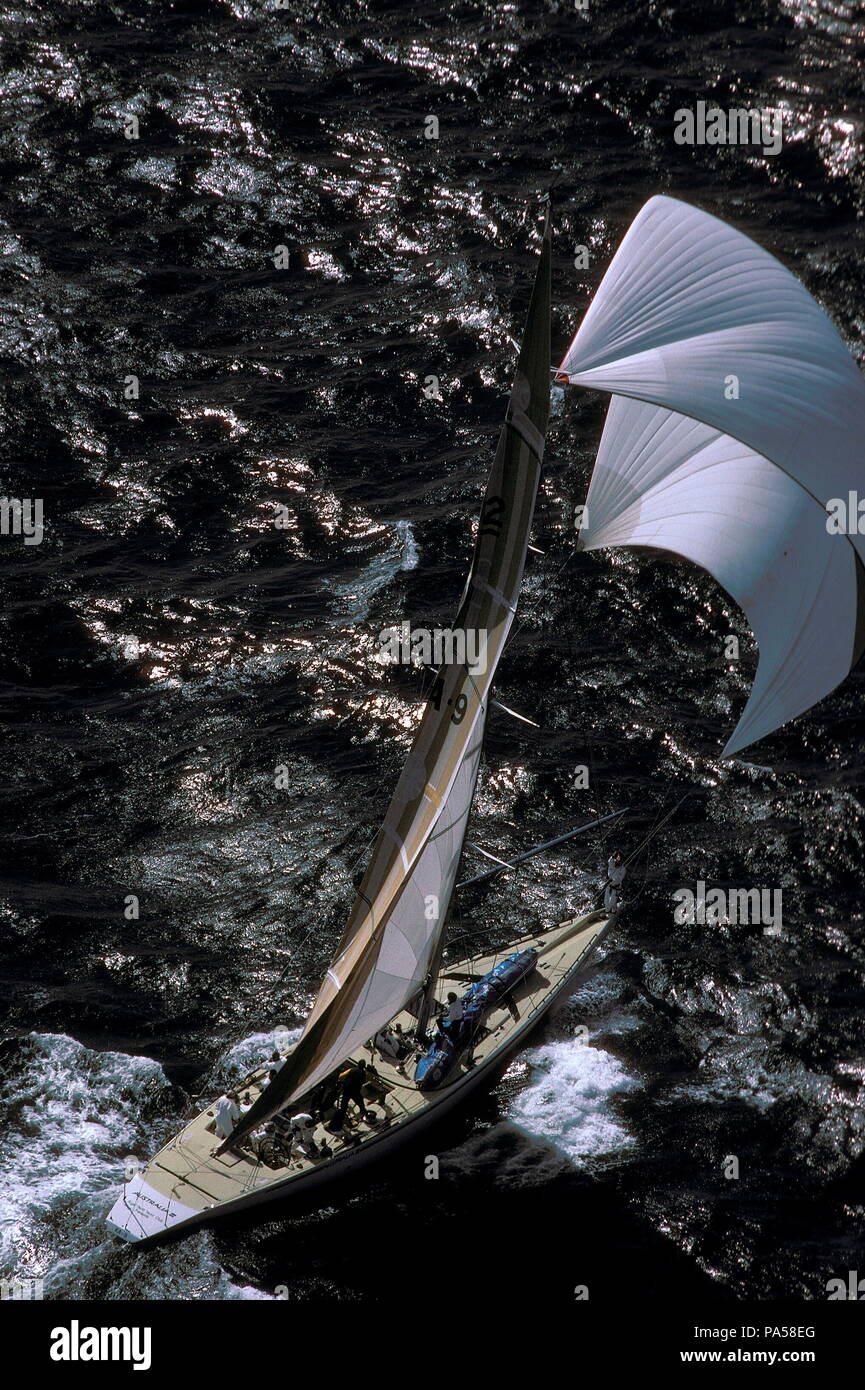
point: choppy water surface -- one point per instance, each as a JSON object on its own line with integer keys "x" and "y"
{"x": 166, "y": 647}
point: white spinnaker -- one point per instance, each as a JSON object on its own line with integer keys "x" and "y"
{"x": 673, "y": 483}
{"x": 689, "y": 303}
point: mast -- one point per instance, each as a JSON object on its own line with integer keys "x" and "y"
{"x": 393, "y": 936}
{"x": 426, "y": 1003}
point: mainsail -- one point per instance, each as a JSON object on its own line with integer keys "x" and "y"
{"x": 737, "y": 417}
{"x": 392, "y": 936}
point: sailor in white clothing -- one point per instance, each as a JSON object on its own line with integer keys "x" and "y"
{"x": 302, "y": 1132}
{"x": 451, "y": 1017}
{"x": 228, "y": 1113}
{"x": 276, "y": 1064}
{"x": 615, "y": 878}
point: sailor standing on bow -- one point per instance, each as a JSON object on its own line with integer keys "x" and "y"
{"x": 615, "y": 878}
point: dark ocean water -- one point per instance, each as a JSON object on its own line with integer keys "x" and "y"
{"x": 166, "y": 647}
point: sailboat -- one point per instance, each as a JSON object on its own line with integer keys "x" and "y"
{"x": 736, "y": 419}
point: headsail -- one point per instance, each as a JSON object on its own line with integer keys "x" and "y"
{"x": 694, "y": 317}
{"x": 394, "y": 926}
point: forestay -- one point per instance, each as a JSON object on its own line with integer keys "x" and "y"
{"x": 394, "y": 926}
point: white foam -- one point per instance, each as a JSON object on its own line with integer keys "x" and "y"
{"x": 568, "y": 1100}
{"x": 232, "y": 1292}
{"x": 76, "y": 1118}
{"x": 75, "y": 1121}
{"x": 250, "y": 1052}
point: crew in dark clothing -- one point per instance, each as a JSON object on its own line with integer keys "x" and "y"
{"x": 324, "y": 1101}
{"x": 352, "y": 1082}
{"x": 375, "y": 1088}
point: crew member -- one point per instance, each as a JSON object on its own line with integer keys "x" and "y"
{"x": 375, "y": 1088}
{"x": 615, "y": 878}
{"x": 275, "y": 1064}
{"x": 303, "y": 1133}
{"x": 391, "y": 1043}
{"x": 228, "y": 1113}
{"x": 351, "y": 1082}
{"x": 451, "y": 1017}
{"x": 324, "y": 1101}
{"x": 386, "y": 1043}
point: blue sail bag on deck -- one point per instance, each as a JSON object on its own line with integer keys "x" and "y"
{"x": 448, "y": 1046}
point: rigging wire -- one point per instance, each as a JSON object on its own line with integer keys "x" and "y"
{"x": 644, "y": 845}
{"x": 654, "y": 831}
